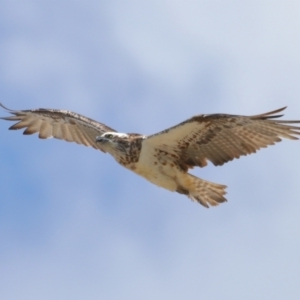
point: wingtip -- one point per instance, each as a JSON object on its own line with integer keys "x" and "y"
{"x": 5, "y": 107}
{"x": 270, "y": 114}
{"x": 276, "y": 111}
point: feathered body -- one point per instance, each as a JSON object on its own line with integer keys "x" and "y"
{"x": 165, "y": 157}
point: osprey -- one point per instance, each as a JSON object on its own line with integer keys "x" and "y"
{"x": 164, "y": 158}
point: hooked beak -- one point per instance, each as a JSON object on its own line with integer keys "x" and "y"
{"x": 101, "y": 139}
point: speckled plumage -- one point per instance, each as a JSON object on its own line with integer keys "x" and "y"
{"x": 164, "y": 158}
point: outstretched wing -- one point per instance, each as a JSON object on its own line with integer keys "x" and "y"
{"x": 60, "y": 124}
{"x": 220, "y": 138}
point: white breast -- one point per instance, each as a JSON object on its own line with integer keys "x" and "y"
{"x": 161, "y": 172}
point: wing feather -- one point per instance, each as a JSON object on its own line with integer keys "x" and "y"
{"x": 220, "y": 138}
{"x": 60, "y": 124}
{"x": 45, "y": 131}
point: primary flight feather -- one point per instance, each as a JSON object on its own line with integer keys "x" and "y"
{"x": 165, "y": 157}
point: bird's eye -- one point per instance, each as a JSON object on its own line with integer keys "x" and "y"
{"x": 109, "y": 136}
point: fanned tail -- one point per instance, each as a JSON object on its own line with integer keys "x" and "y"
{"x": 205, "y": 192}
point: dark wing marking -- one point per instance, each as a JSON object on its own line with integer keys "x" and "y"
{"x": 220, "y": 138}
{"x": 60, "y": 124}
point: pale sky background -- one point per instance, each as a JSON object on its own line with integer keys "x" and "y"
{"x": 76, "y": 225}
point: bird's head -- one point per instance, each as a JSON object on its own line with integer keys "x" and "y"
{"x": 113, "y": 142}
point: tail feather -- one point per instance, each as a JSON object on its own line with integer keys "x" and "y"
{"x": 205, "y": 192}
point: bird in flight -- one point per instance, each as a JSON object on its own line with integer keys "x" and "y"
{"x": 164, "y": 158}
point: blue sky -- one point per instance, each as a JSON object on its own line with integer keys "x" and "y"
{"x": 74, "y": 224}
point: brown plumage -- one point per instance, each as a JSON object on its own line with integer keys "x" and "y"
{"x": 165, "y": 157}
{"x": 60, "y": 124}
{"x": 221, "y": 138}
